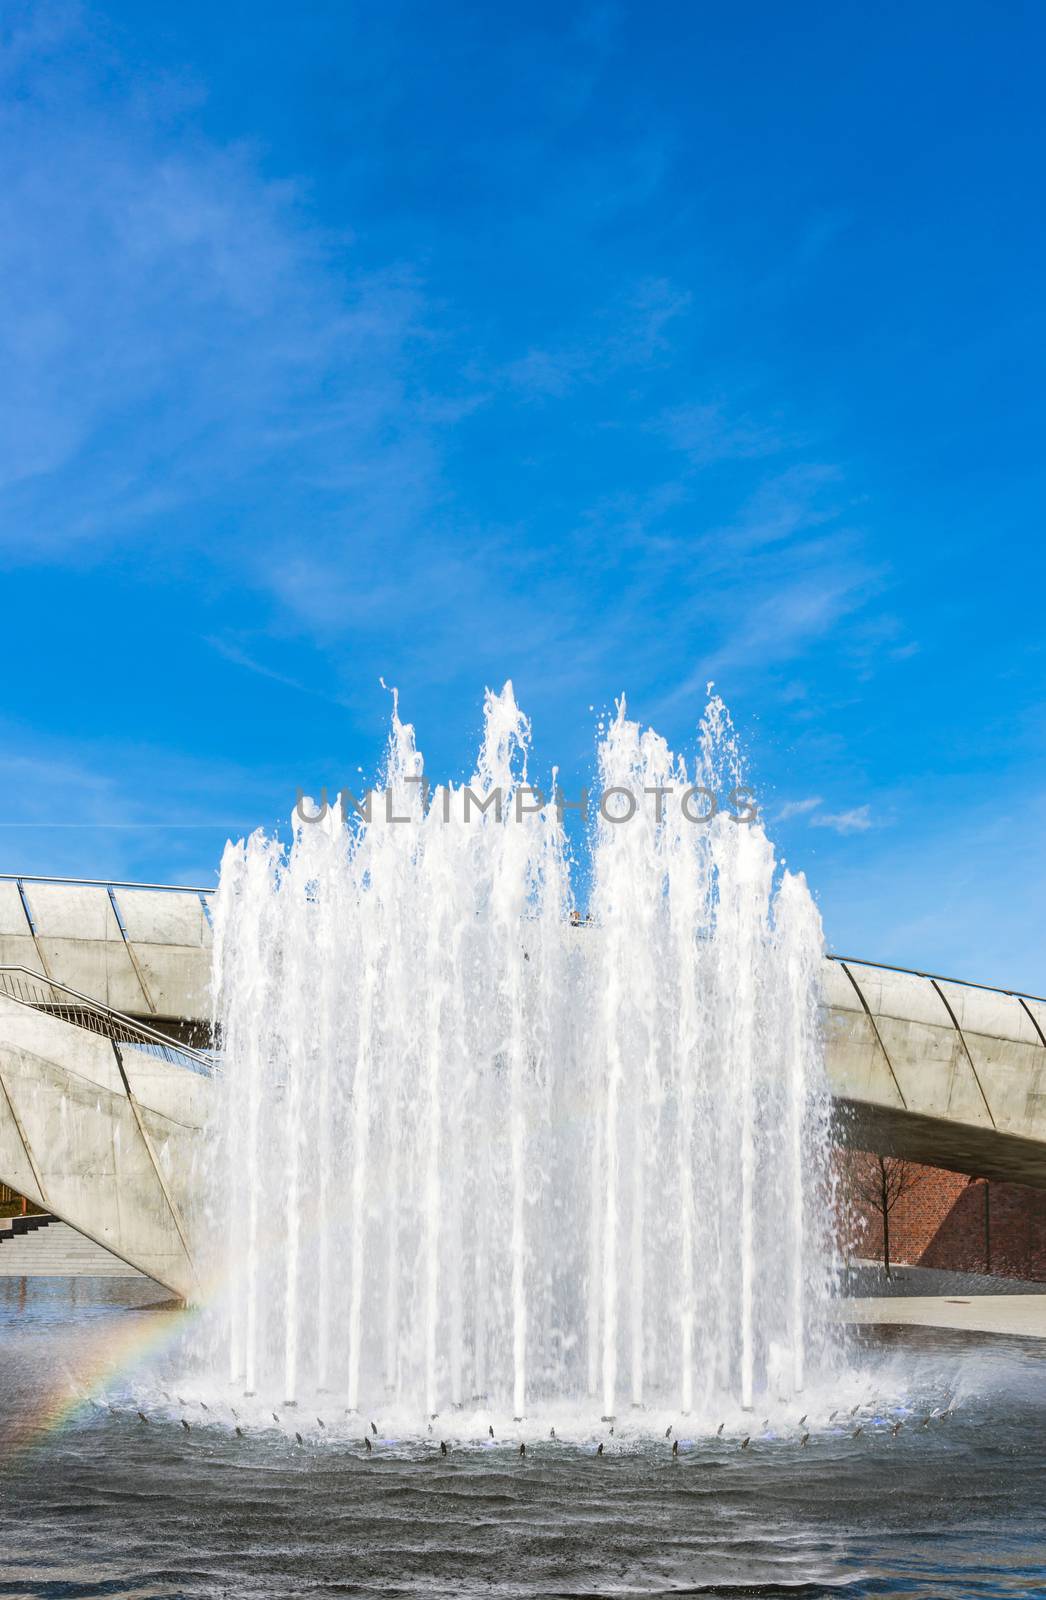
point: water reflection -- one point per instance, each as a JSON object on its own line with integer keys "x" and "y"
{"x": 92, "y": 1500}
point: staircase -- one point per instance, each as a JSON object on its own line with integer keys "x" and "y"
{"x": 42, "y": 1247}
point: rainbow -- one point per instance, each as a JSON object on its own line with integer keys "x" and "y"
{"x": 105, "y": 1354}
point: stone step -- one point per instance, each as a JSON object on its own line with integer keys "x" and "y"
{"x": 58, "y": 1251}
{"x": 13, "y": 1227}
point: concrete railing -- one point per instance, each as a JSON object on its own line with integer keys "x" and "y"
{"x": 144, "y": 949}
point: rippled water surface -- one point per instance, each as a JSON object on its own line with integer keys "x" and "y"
{"x": 94, "y": 1501}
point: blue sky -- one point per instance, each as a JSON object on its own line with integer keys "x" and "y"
{"x": 607, "y": 348}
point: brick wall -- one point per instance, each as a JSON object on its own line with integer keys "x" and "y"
{"x": 948, "y": 1220}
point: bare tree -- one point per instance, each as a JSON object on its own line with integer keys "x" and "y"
{"x": 878, "y": 1182}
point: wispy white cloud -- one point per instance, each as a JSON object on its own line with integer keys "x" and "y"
{"x": 629, "y": 330}
{"x": 796, "y": 501}
{"x": 711, "y": 431}
{"x": 787, "y": 618}
{"x": 200, "y": 372}
{"x": 112, "y": 807}
{"x": 930, "y": 894}
{"x": 239, "y": 657}
{"x": 857, "y": 820}
{"x": 798, "y": 808}
{"x": 175, "y": 327}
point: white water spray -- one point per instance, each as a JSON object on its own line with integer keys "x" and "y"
{"x": 468, "y": 1148}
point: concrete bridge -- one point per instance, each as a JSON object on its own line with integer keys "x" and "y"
{"x": 104, "y": 1076}
{"x": 104, "y": 994}
{"x": 143, "y": 949}
{"x": 953, "y": 1074}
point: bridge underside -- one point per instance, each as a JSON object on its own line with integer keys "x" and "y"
{"x": 937, "y": 1142}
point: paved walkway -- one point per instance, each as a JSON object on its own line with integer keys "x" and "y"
{"x": 1019, "y": 1315}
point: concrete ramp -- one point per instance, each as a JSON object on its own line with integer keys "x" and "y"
{"x": 99, "y": 1128}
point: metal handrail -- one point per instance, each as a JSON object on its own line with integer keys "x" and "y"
{"x": 82, "y": 1011}
{"x": 104, "y": 883}
{"x": 938, "y": 977}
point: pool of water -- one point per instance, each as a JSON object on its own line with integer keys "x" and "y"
{"x": 95, "y": 1501}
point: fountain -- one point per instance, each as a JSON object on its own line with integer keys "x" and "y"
{"x": 473, "y": 1151}
{"x": 510, "y": 1208}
